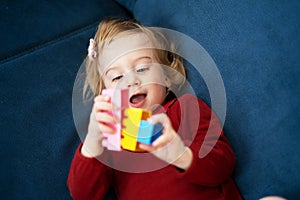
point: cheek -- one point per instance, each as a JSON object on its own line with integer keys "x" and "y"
{"x": 158, "y": 91}
{"x": 106, "y": 83}
{"x": 155, "y": 79}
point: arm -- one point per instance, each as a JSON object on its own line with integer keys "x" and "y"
{"x": 213, "y": 159}
{"x": 99, "y": 123}
{"x": 88, "y": 178}
{"x": 191, "y": 118}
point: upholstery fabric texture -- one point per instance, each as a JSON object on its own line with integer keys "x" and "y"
{"x": 256, "y": 47}
{"x": 43, "y": 44}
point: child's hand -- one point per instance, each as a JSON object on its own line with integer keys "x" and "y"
{"x": 101, "y": 116}
{"x": 169, "y": 146}
{"x": 100, "y": 121}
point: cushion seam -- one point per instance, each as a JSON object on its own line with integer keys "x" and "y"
{"x": 49, "y": 42}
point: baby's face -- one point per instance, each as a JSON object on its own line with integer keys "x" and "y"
{"x": 139, "y": 72}
{"x": 128, "y": 62}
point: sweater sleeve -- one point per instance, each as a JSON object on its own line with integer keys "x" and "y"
{"x": 88, "y": 178}
{"x": 213, "y": 159}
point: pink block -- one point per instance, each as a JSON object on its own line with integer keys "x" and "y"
{"x": 119, "y": 100}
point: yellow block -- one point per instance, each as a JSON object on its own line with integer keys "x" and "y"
{"x": 131, "y": 122}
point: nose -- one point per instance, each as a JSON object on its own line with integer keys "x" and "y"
{"x": 132, "y": 80}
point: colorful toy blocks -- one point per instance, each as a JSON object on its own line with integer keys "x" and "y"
{"x": 148, "y": 132}
{"x": 119, "y": 100}
{"x": 130, "y": 129}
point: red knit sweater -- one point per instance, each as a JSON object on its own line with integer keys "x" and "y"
{"x": 143, "y": 176}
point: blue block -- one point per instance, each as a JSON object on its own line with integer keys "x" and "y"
{"x": 148, "y": 132}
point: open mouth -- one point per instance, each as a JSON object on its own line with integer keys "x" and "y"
{"x": 137, "y": 100}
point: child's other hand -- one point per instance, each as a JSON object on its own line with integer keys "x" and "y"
{"x": 100, "y": 121}
{"x": 169, "y": 146}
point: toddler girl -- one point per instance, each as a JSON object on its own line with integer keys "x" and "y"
{"x": 125, "y": 54}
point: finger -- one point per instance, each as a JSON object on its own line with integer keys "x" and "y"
{"x": 104, "y": 117}
{"x": 107, "y": 128}
{"x": 102, "y": 98}
{"x": 167, "y": 131}
{"x": 163, "y": 140}
{"x": 146, "y": 147}
{"x": 103, "y": 106}
{"x": 158, "y": 118}
{"x": 162, "y": 119}
{"x": 106, "y": 106}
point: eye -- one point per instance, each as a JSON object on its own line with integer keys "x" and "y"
{"x": 116, "y": 78}
{"x": 142, "y": 68}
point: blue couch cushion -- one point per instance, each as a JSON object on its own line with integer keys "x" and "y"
{"x": 43, "y": 44}
{"x": 31, "y": 24}
{"x": 256, "y": 46}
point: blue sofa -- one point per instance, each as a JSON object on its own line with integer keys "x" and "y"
{"x": 255, "y": 45}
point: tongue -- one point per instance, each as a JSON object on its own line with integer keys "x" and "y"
{"x": 137, "y": 98}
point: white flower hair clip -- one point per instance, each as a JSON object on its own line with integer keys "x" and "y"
{"x": 92, "y": 53}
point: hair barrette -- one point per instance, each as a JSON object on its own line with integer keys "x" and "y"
{"x": 92, "y": 53}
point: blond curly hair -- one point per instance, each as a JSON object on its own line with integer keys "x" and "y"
{"x": 107, "y": 30}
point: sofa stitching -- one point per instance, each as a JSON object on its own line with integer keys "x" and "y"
{"x": 49, "y": 42}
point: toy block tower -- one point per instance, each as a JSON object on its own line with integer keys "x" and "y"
{"x": 119, "y": 100}
{"x": 131, "y": 124}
